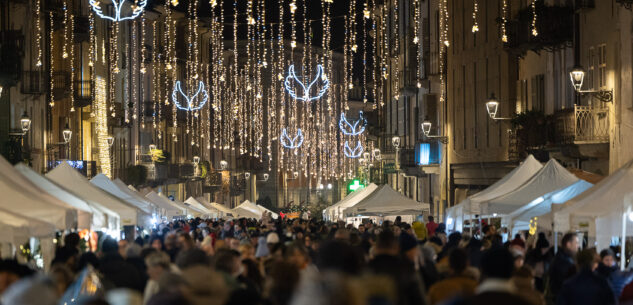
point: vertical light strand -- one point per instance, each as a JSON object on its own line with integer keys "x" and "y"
{"x": 38, "y": 32}
{"x": 475, "y": 28}
{"x": 534, "y": 30}
{"x": 142, "y": 71}
{"x": 72, "y": 62}
{"x": 65, "y": 25}
{"x": 504, "y": 20}
{"x": 375, "y": 46}
{"x": 52, "y": 61}
{"x": 102, "y": 126}
{"x": 416, "y": 42}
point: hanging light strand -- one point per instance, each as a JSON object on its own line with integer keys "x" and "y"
{"x": 534, "y": 17}
{"x": 38, "y": 33}
{"x": 504, "y": 20}
{"x": 72, "y": 63}
{"x": 475, "y": 28}
{"x": 52, "y": 61}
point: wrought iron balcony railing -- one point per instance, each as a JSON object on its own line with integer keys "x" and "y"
{"x": 583, "y": 125}
{"x": 33, "y": 82}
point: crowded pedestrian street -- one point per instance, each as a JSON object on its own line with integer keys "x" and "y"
{"x": 326, "y": 152}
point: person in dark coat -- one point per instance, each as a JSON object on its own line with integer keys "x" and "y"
{"x": 402, "y": 272}
{"x": 608, "y": 269}
{"x": 116, "y": 271}
{"x": 586, "y": 287}
{"x": 563, "y": 266}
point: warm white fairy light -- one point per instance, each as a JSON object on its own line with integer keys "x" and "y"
{"x": 475, "y": 28}
{"x": 504, "y": 20}
{"x": 38, "y": 33}
{"x": 534, "y": 30}
{"x": 65, "y": 25}
{"x": 51, "y": 65}
{"x": 72, "y": 65}
{"x": 101, "y": 127}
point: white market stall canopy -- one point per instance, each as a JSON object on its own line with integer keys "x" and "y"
{"x": 22, "y": 197}
{"x": 166, "y": 206}
{"x": 224, "y": 211}
{"x": 520, "y": 218}
{"x": 264, "y": 209}
{"x": 385, "y": 201}
{"x": 70, "y": 178}
{"x": 550, "y": 178}
{"x": 104, "y": 183}
{"x": 130, "y": 190}
{"x": 336, "y": 210}
{"x": 510, "y": 182}
{"x": 194, "y": 204}
{"x": 17, "y": 229}
{"x": 91, "y": 215}
{"x": 604, "y": 208}
{"x": 247, "y": 209}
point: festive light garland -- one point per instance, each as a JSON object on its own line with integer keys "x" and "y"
{"x": 293, "y": 143}
{"x": 38, "y": 32}
{"x": 475, "y": 28}
{"x": 534, "y": 30}
{"x": 137, "y": 9}
{"x": 352, "y": 129}
{"x": 101, "y": 127}
{"x": 353, "y": 153}
{"x": 72, "y": 64}
{"x": 504, "y": 21}
{"x": 306, "y": 97}
{"x": 51, "y": 67}
{"x": 189, "y": 105}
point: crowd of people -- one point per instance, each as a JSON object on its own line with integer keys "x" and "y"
{"x": 301, "y": 262}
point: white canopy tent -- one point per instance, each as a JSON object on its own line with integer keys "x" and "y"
{"x": 330, "y": 212}
{"x": 17, "y": 229}
{"x": 165, "y": 205}
{"x": 264, "y": 209}
{"x": 194, "y": 204}
{"x": 70, "y": 178}
{"x": 510, "y": 182}
{"x": 550, "y": 178}
{"x": 604, "y": 209}
{"x": 91, "y": 215}
{"x": 22, "y": 197}
{"x": 520, "y": 219}
{"x": 149, "y": 206}
{"x": 385, "y": 201}
{"x": 247, "y": 209}
{"x": 144, "y": 208}
{"x": 223, "y": 211}
{"x": 104, "y": 183}
{"x": 336, "y": 210}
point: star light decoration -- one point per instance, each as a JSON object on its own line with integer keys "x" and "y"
{"x": 353, "y": 153}
{"x": 352, "y": 129}
{"x": 293, "y": 143}
{"x": 305, "y": 96}
{"x": 189, "y": 105}
{"x": 137, "y": 9}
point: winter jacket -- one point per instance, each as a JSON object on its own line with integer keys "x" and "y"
{"x": 586, "y": 288}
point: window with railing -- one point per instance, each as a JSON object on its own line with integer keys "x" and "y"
{"x": 602, "y": 65}
{"x": 32, "y": 82}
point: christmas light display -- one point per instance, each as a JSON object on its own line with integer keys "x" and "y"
{"x": 353, "y": 153}
{"x": 137, "y": 9}
{"x": 306, "y": 97}
{"x": 190, "y": 104}
{"x": 293, "y": 143}
{"x": 352, "y": 129}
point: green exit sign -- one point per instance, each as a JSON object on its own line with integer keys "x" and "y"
{"x": 355, "y": 185}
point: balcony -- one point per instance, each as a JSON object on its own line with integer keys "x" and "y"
{"x": 83, "y": 93}
{"x": 555, "y": 29}
{"x": 164, "y": 171}
{"x": 33, "y": 83}
{"x": 583, "y": 125}
{"x": 61, "y": 84}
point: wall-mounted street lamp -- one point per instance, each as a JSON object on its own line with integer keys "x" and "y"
{"x": 25, "y": 122}
{"x": 395, "y": 141}
{"x": 67, "y": 133}
{"x": 110, "y": 140}
{"x": 577, "y": 76}
{"x": 492, "y": 106}
{"x": 223, "y": 164}
{"x": 196, "y": 160}
{"x": 426, "y": 129}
